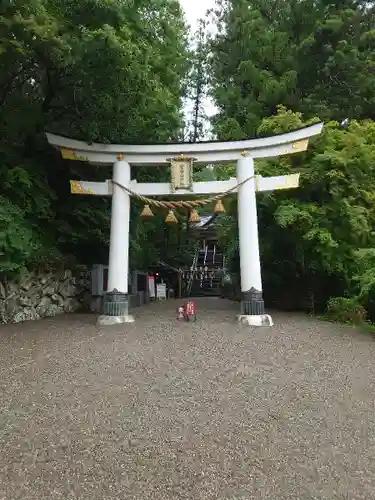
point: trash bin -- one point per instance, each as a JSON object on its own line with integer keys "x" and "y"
{"x": 115, "y": 303}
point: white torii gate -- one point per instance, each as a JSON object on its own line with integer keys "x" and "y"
{"x": 243, "y": 152}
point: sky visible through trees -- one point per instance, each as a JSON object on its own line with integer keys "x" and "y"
{"x": 196, "y": 10}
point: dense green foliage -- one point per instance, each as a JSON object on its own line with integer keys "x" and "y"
{"x": 313, "y": 56}
{"x": 97, "y": 70}
{"x": 346, "y": 310}
{"x": 317, "y": 60}
{"x": 311, "y": 236}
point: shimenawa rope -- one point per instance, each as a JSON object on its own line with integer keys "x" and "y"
{"x": 171, "y": 205}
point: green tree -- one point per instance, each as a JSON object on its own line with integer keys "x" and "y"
{"x": 310, "y": 236}
{"x": 198, "y": 82}
{"x": 317, "y": 57}
{"x": 100, "y": 71}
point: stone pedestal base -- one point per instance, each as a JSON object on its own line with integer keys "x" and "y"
{"x": 256, "y": 320}
{"x": 105, "y": 320}
{"x": 252, "y": 303}
{"x": 115, "y": 309}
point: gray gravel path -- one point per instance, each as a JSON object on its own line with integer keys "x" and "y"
{"x": 165, "y": 410}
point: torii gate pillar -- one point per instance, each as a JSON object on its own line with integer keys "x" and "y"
{"x": 118, "y": 266}
{"x": 251, "y": 279}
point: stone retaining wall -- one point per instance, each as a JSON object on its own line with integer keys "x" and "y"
{"x": 36, "y": 296}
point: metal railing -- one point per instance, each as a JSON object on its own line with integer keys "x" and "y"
{"x": 192, "y": 271}
{"x": 205, "y": 255}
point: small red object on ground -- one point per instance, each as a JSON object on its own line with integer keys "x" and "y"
{"x": 190, "y": 310}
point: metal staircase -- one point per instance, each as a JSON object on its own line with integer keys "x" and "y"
{"x": 206, "y": 271}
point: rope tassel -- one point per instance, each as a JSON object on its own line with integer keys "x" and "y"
{"x": 219, "y": 207}
{"x": 171, "y": 218}
{"x": 194, "y": 216}
{"x": 147, "y": 212}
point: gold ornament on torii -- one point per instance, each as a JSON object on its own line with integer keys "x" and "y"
{"x": 69, "y": 154}
{"x": 77, "y": 187}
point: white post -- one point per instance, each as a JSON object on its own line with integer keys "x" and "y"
{"x": 116, "y": 305}
{"x": 248, "y": 227}
{"x": 120, "y": 220}
{"x": 251, "y": 279}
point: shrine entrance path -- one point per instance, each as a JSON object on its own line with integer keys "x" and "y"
{"x": 166, "y": 410}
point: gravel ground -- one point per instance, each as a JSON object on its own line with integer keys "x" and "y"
{"x": 166, "y": 410}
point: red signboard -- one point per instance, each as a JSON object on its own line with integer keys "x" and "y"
{"x": 191, "y": 308}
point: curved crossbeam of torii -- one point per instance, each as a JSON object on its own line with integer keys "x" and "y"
{"x": 123, "y": 156}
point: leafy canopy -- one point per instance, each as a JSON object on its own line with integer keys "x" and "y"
{"x": 108, "y": 71}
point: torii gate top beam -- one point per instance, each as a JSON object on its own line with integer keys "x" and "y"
{"x": 204, "y": 152}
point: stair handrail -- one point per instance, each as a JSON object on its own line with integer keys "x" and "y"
{"x": 192, "y": 270}
{"x": 168, "y": 266}
{"x": 205, "y": 254}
